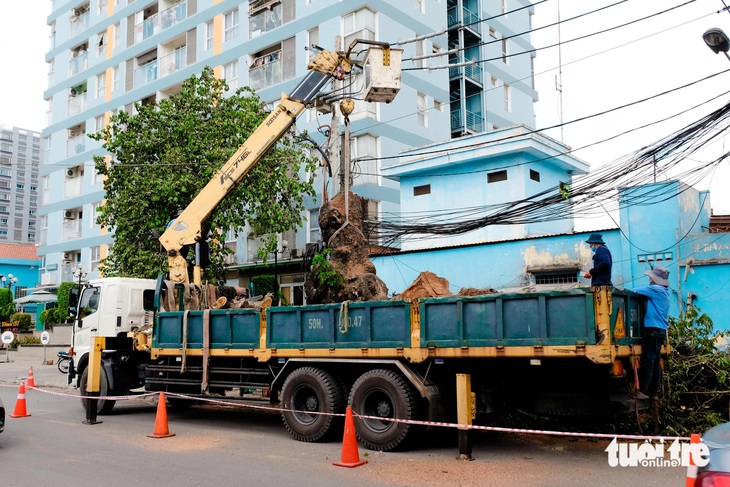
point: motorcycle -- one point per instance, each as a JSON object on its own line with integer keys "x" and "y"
{"x": 64, "y": 359}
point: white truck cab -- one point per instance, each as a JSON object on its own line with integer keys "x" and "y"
{"x": 108, "y": 307}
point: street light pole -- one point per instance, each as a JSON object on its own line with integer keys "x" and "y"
{"x": 717, "y": 40}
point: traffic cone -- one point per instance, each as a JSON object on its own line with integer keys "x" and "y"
{"x": 20, "y": 411}
{"x": 161, "y": 430}
{"x": 350, "y": 456}
{"x": 692, "y": 468}
{"x": 31, "y": 380}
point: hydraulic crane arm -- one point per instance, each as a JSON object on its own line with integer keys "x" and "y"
{"x": 187, "y": 228}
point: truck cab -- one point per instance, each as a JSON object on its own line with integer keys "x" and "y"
{"x": 110, "y": 308}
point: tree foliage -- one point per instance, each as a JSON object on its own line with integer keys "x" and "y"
{"x": 166, "y": 153}
{"x": 7, "y": 307}
{"x": 697, "y": 375}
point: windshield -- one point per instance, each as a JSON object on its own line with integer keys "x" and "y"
{"x": 89, "y": 302}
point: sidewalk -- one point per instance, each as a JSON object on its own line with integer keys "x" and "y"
{"x": 16, "y": 370}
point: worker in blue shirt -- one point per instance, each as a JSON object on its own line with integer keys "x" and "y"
{"x": 656, "y": 323}
{"x": 600, "y": 274}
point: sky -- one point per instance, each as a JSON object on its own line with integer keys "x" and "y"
{"x": 598, "y": 73}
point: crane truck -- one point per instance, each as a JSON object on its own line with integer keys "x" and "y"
{"x": 569, "y": 351}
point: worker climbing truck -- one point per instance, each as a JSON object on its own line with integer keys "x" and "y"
{"x": 399, "y": 363}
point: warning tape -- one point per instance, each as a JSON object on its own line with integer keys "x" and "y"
{"x": 439, "y": 424}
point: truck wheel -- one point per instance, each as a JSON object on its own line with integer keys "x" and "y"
{"x": 308, "y": 391}
{"x": 383, "y": 394}
{"x": 103, "y": 406}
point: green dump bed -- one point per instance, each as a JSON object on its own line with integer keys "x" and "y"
{"x": 551, "y": 318}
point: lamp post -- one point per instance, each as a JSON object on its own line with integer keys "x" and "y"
{"x": 717, "y": 40}
{"x": 8, "y": 281}
{"x": 79, "y": 275}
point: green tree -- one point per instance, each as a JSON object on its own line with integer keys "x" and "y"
{"x": 166, "y": 153}
{"x": 7, "y": 307}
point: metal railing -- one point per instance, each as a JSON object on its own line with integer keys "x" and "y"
{"x": 76, "y": 145}
{"x": 464, "y": 16}
{"x": 173, "y": 62}
{"x": 76, "y": 104}
{"x": 160, "y": 21}
{"x": 265, "y": 75}
{"x": 145, "y": 74}
{"x": 264, "y": 21}
{"x": 79, "y": 24}
{"x": 78, "y": 63}
{"x": 471, "y": 121}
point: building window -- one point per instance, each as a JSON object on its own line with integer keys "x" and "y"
{"x": 438, "y": 105}
{"x": 230, "y": 25}
{"x": 230, "y": 74}
{"x": 95, "y": 258}
{"x": 358, "y": 25}
{"x": 556, "y": 277}
{"x": 315, "y": 234}
{"x": 266, "y": 69}
{"x": 100, "y": 86}
{"x": 505, "y": 52}
{"x": 312, "y": 40}
{"x": 209, "y": 36}
{"x": 497, "y": 176}
{"x": 421, "y": 190}
{"x": 115, "y": 78}
{"x": 364, "y": 156}
{"x": 422, "y": 110}
{"x": 534, "y": 175}
{"x": 507, "y": 97}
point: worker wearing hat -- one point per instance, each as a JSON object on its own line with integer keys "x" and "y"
{"x": 600, "y": 274}
{"x": 656, "y": 323}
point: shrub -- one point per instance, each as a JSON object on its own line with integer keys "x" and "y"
{"x": 25, "y": 340}
{"x": 697, "y": 376}
{"x": 62, "y": 313}
{"x": 7, "y": 307}
{"x": 24, "y": 321}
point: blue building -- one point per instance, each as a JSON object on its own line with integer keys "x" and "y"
{"x": 671, "y": 225}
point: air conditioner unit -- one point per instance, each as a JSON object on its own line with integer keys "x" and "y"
{"x": 229, "y": 259}
{"x": 72, "y": 133}
{"x": 74, "y": 92}
{"x": 69, "y": 215}
{"x": 71, "y": 172}
{"x": 66, "y": 256}
{"x": 297, "y": 253}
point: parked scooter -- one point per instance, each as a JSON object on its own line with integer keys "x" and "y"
{"x": 63, "y": 360}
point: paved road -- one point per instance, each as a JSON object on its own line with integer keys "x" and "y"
{"x": 228, "y": 446}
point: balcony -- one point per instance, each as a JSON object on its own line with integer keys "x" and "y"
{"x": 76, "y": 104}
{"x": 464, "y": 17}
{"x": 470, "y": 122}
{"x": 78, "y": 63}
{"x": 76, "y": 145}
{"x": 79, "y": 24}
{"x": 266, "y": 73}
{"x": 264, "y": 21}
{"x": 160, "y": 21}
{"x": 473, "y": 72}
{"x": 173, "y": 62}
{"x": 145, "y": 74}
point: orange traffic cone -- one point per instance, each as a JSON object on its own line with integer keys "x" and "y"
{"x": 161, "y": 430}
{"x": 350, "y": 456}
{"x": 692, "y": 468}
{"x": 20, "y": 411}
{"x": 31, "y": 380}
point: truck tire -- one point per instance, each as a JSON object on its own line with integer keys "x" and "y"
{"x": 385, "y": 394}
{"x": 103, "y": 406}
{"x": 306, "y": 391}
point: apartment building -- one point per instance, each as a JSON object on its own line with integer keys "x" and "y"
{"x": 108, "y": 55}
{"x": 20, "y": 158}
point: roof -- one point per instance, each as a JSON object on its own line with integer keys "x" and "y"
{"x": 18, "y": 251}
